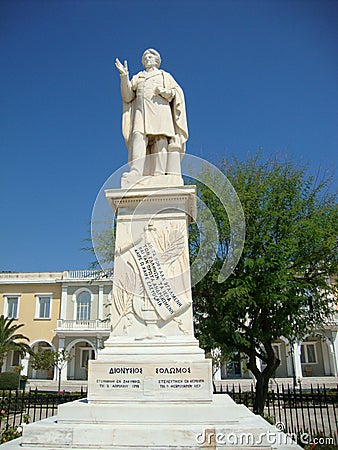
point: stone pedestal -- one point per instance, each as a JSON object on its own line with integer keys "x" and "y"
{"x": 151, "y": 386}
{"x": 151, "y": 354}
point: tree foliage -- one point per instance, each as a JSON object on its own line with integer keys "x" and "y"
{"x": 43, "y": 360}
{"x": 10, "y": 339}
{"x": 48, "y": 359}
{"x": 280, "y": 287}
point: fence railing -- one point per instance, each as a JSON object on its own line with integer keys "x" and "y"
{"x": 17, "y": 406}
{"x": 299, "y": 412}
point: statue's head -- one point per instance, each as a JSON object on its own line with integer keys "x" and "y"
{"x": 153, "y": 55}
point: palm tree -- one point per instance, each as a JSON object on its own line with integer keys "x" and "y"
{"x": 9, "y": 339}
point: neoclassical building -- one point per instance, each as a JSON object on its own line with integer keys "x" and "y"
{"x": 70, "y": 310}
{"x": 59, "y": 310}
{"x": 315, "y": 356}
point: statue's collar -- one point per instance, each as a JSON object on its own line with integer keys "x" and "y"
{"x": 152, "y": 73}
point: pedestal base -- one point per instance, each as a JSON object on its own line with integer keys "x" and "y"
{"x": 172, "y": 370}
{"x": 159, "y": 426}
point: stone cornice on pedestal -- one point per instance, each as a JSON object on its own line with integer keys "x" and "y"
{"x": 178, "y": 197}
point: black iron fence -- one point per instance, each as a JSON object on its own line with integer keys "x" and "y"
{"x": 18, "y": 407}
{"x": 309, "y": 414}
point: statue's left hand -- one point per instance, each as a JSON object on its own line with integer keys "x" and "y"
{"x": 165, "y": 93}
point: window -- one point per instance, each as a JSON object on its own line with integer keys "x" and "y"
{"x": 16, "y": 357}
{"x": 11, "y": 306}
{"x": 83, "y": 306}
{"x": 86, "y": 355}
{"x": 277, "y": 351}
{"x": 308, "y": 353}
{"x": 43, "y": 306}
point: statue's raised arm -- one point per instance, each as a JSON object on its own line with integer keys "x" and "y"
{"x": 154, "y": 122}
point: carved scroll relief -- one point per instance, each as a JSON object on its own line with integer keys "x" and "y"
{"x": 158, "y": 288}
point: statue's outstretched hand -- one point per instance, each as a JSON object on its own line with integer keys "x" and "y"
{"x": 122, "y": 68}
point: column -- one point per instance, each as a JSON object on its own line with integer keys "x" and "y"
{"x": 63, "y": 309}
{"x": 289, "y": 360}
{"x": 218, "y": 374}
{"x": 99, "y": 345}
{"x": 24, "y": 363}
{"x": 326, "y": 347}
{"x": 64, "y": 369}
{"x": 100, "y": 303}
{"x": 334, "y": 352}
{"x": 35, "y": 350}
{"x": 72, "y": 364}
{"x": 296, "y": 361}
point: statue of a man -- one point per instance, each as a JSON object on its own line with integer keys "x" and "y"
{"x": 154, "y": 118}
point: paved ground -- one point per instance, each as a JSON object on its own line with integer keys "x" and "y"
{"x": 76, "y": 385}
{"x": 52, "y": 385}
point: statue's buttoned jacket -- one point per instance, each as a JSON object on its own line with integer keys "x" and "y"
{"x": 152, "y": 112}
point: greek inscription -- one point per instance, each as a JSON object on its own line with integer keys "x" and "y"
{"x": 180, "y": 384}
{"x": 172, "y": 370}
{"x": 157, "y": 286}
{"x": 119, "y": 384}
{"x": 125, "y": 370}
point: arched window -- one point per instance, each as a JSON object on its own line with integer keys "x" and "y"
{"x": 83, "y": 301}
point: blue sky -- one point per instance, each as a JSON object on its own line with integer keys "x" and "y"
{"x": 256, "y": 74}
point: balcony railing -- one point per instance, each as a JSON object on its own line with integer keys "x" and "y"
{"x": 86, "y": 274}
{"x": 84, "y": 325}
{"x": 79, "y": 274}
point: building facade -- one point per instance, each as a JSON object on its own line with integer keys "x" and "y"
{"x": 70, "y": 310}
{"x": 315, "y": 356}
{"x": 60, "y": 310}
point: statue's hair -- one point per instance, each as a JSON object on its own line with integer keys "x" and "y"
{"x": 155, "y": 53}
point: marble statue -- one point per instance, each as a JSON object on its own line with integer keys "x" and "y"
{"x": 153, "y": 120}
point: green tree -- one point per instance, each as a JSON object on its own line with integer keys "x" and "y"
{"x": 280, "y": 287}
{"x": 10, "y": 339}
{"x": 48, "y": 359}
